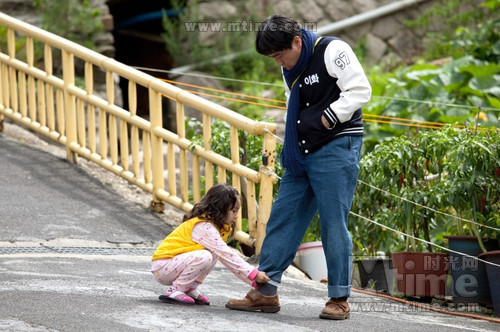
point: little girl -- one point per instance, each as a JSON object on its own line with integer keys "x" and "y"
{"x": 190, "y": 252}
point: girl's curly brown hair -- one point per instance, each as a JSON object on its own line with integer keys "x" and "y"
{"x": 215, "y": 205}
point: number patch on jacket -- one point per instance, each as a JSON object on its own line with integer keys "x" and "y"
{"x": 342, "y": 61}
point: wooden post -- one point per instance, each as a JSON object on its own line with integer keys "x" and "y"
{"x": 69, "y": 104}
{"x": 266, "y": 188}
{"x": 156, "y": 148}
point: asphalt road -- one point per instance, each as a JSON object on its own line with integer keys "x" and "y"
{"x": 75, "y": 256}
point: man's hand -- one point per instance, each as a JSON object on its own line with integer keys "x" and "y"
{"x": 325, "y": 122}
{"x": 262, "y": 277}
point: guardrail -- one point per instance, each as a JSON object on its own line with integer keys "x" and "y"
{"x": 96, "y": 128}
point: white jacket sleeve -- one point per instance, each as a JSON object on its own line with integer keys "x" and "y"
{"x": 343, "y": 64}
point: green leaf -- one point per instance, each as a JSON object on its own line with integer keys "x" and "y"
{"x": 491, "y": 4}
{"x": 456, "y": 81}
{"x": 423, "y": 74}
{"x": 481, "y": 68}
{"x": 488, "y": 84}
{"x": 496, "y": 47}
{"x": 483, "y": 147}
{"x": 494, "y": 102}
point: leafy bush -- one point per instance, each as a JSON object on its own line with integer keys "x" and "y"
{"x": 250, "y": 145}
{"x": 453, "y": 171}
{"x": 472, "y": 170}
{"x": 458, "y": 92}
{"x": 75, "y": 20}
{"x": 444, "y": 19}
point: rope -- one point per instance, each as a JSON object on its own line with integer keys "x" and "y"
{"x": 424, "y": 241}
{"x": 440, "y": 124}
{"x": 222, "y": 91}
{"x": 438, "y": 103}
{"x": 206, "y": 76}
{"x": 493, "y": 109}
{"x": 233, "y": 99}
{"x": 268, "y": 171}
{"x": 428, "y": 208}
{"x": 269, "y": 132}
{"x": 427, "y": 307}
{"x": 402, "y": 124}
{"x": 366, "y": 116}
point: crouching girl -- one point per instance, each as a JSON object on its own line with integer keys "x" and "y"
{"x": 188, "y": 254}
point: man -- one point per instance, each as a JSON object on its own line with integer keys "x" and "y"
{"x": 325, "y": 87}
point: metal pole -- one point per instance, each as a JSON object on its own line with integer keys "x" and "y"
{"x": 368, "y": 16}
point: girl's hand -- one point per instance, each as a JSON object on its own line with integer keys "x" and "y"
{"x": 262, "y": 277}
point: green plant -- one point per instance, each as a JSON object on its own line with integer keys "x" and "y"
{"x": 250, "y": 146}
{"x": 443, "y": 18}
{"x": 20, "y": 47}
{"x": 369, "y": 238}
{"x": 454, "y": 93}
{"x": 250, "y": 153}
{"x": 263, "y": 69}
{"x": 183, "y": 45}
{"x": 452, "y": 171}
{"x": 473, "y": 181}
{"x": 192, "y": 38}
{"x": 482, "y": 43}
{"x": 407, "y": 169}
{"x": 75, "y": 20}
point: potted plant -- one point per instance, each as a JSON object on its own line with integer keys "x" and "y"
{"x": 402, "y": 167}
{"x": 371, "y": 243}
{"x": 493, "y": 273}
{"x": 473, "y": 191}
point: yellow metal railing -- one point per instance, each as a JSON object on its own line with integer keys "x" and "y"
{"x": 53, "y": 104}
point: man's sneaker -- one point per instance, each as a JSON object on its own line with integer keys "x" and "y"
{"x": 336, "y": 309}
{"x": 255, "y": 301}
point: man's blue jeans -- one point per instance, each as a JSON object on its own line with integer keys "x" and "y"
{"x": 328, "y": 187}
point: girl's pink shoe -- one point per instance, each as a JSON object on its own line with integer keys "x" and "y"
{"x": 198, "y": 297}
{"x": 177, "y": 297}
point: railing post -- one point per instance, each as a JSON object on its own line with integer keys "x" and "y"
{"x": 267, "y": 180}
{"x": 3, "y": 93}
{"x": 155, "y": 117}
{"x": 69, "y": 104}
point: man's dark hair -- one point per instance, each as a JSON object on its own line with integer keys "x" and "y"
{"x": 276, "y": 34}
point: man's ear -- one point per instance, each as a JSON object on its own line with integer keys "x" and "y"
{"x": 297, "y": 41}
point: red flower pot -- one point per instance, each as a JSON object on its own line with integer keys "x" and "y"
{"x": 422, "y": 274}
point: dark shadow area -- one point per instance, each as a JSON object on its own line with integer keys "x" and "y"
{"x": 138, "y": 43}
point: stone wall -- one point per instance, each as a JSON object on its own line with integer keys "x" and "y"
{"x": 385, "y": 39}
{"x": 25, "y": 11}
